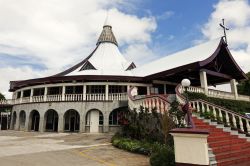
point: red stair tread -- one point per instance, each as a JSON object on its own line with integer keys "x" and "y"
{"x": 229, "y": 150}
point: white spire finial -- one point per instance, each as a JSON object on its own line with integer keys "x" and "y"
{"x": 107, "y": 22}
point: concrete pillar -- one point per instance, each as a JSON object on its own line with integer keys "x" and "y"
{"x": 84, "y": 92}
{"x": 27, "y": 121}
{"x": 148, "y": 90}
{"x": 106, "y": 120}
{"x": 21, "y": 97}
{"x": 106, "y": 92}
{"x": 63, "y": 93}
{"x": 41, "y": 123}
{"x": 60, "y": 123}
{"x": 45, "y": 93}
{"x": 128, "y": 87}
{"x": 203, "y": 81}
{"x": 234, "y": 88}
{"x": 82, "y": 123}
{"x": 190, "y": 146}
{"x": 17, "y": 121}
{"x": 31, "y": 94}
{"x": 165, "y": 89}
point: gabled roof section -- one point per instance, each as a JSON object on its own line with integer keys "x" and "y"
{"x": 87, "y": 66}
{"x": 131, "y": 66}
{"x": 181, "y": 58}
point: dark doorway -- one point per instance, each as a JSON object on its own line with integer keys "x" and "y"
{"x": 35, "y": 119}
{"x": 4, "y": 122}
{"x": 71, "y": 121}
{"x": 72, "y": 124}
{"x": 51, "y": 118}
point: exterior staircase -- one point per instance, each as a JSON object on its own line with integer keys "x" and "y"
{"x": 226, "y": 147}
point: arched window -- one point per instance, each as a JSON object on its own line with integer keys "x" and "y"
{"x": 51, "y": 118}
{"x": 117, "y": 116}
{"x": 71, "y": 121}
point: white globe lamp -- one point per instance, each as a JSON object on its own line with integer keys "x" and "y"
{"x": 185, "y": 83}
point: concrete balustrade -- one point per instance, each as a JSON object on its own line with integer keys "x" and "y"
{"x": 222, "y": 115}
{"x": 216, "y": 93}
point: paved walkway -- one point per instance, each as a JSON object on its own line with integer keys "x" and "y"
{"x": 63, "y": 149}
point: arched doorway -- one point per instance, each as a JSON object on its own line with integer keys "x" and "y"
{"x": 71, "y": 121}
{"x": 51, "y": 120}
{"x": 14, "y": 120}
{"x": 35, "y": 119}
{"x": 22, "y": 118}
{"x": 94, "y": 119}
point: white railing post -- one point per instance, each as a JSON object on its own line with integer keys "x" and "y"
{"x": 220, "y": 115}
{"x": 241, "y": 123}
{"x": 247, "y": 126}
{"x": 234, "y": 121}
{"x": 202, "y": 107}
{"x": 227, "y": 119}
{"x": 214, "y": 112}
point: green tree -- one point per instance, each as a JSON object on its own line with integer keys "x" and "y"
{"x": 1, "y": 96}
{"x": 244, "y": 86}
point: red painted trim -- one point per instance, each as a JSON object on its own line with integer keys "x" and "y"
{"x": 186, "y": 164}
{"x": 190, "y": 131}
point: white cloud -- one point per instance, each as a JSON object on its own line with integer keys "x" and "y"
{"x": 59, "y": 33}
{"x": 139, "y": 53}
{"x": 237, "y": 17}
{"x": 165, "y": 15}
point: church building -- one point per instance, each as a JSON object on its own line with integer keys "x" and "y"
{"x": 89, "y": 96}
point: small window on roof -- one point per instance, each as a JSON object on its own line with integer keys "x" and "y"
{"x": 131, "y": 66}
{"x": 87, "y": 66}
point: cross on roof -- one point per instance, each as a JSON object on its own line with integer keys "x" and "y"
{"x": 224, "y": 29}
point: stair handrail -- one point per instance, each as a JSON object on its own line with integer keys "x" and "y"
{"x": 222, "y": 108}
{"x": 144, "y": 97}
{"x": 226, "y": 111}
{"x": 182, "y": 99}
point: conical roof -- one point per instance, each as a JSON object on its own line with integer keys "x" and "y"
{"x": 106, "y": 59}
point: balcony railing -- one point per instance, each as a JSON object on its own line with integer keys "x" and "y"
{"x": 215, "y": 93}
{"x": 67, "y": 97}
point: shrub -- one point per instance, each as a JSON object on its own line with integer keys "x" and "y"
{"x": 163, "y": 156}
{"x": 132, "y": 145}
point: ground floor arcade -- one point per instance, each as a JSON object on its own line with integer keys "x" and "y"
{"x": 68, "y": 117}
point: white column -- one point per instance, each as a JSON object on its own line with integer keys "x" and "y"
{"x": 148, "y": 90}
{"x": 234, "y": 88}
{"x": 45, "y": 93}
{"x": 106, "y": 92}
{"x": 165, "y": 89}
{"x": 41, "y": 123}
{"x": 31, "y": 94}
{"x": 203, "y": 81}
{"x": 63, "y": 93}
{"x": 60, "y": 123}
{"x": 21, "y": 97}
{"x": 84, "y": 92}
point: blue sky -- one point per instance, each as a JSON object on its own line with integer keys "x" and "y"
{"x": 43, "y": 38}
{"x": 178, "y": 21}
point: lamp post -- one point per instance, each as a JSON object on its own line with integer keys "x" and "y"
{"x": 186, "y": 83}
